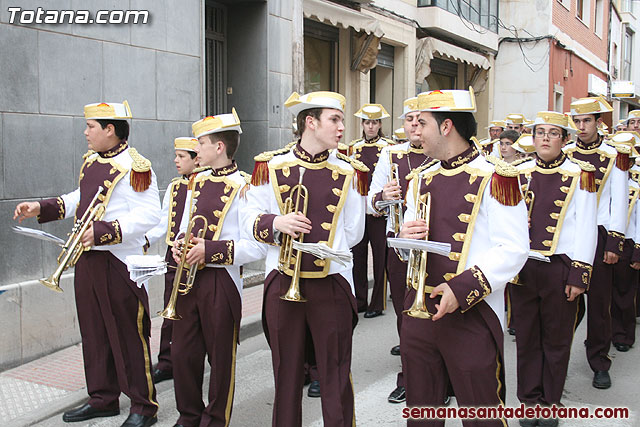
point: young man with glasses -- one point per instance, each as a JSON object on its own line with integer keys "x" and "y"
{"x": 561, "y": 196}
{"x": 611, "y": 177}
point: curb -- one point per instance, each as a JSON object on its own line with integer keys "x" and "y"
{"x": 250, "y": 326}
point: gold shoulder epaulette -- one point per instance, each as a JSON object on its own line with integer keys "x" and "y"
{"x": 518, "y": 162}
{"x": 268, "y": 155}
{"x": 414, "y": 172}
{"x": 247, "y": 185}
{"x": 587, "y": 175}
{"x": 505, "y": 186}
{"x": 246, "y": 176}
{"x": 87, "y": 154}
{"x": 503, "y": 168}
{"x": 623, "y": 159}
{"x": 140, "y": 163}
{"x": 584, "y": 165}
{"x": 200, "y": 169}
{"x": 361, "y": 181}
{"x": 357, "y": 164}
{"x": 140, "y": 171}
{"x": 261, "y": 169}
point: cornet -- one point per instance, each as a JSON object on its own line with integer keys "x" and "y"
{"x": 286, "y": 257}
{"x": 73, "y": 248}
{"x": 529, "y": 197}
{"x": 179, "y": 286}
{"x": 417, "y": 265}
{"x": 395, "y": 211}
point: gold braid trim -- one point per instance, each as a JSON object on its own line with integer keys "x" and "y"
{"x": 140, "y": 171}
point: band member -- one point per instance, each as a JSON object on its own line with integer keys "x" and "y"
{"x": 172, "y": 207}
{"x": 561, "y": 197}
{"x": 211, "y": 310}
{"x": 399, "y": 136}
{"x": 478, "y": 209}
{"x": 367, "y": 150}
{"x": 495, "y": 128}
{"x": 389, "y": 185}
{"x": 633, "y": 121}
{"x": 612, "y": 182}
{"x": 510, "y": 152}
{"x": 625, "y": 283}
{"x": 516, "y": 122}
{"x": 334, "y": 187}
{"x": 113, "y": 313}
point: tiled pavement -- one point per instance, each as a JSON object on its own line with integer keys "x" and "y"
{"x": 32, "y": 387}
{"x": 56, "y": 381}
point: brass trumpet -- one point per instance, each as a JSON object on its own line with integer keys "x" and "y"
{"x": 179, "y": 286}
{"x": 529, "y": 197}
{"x": 395, "y": 211}
{"x": 417, "y": 265}
{"x": 286, "y": 257}
{"x": 73, "y": 248}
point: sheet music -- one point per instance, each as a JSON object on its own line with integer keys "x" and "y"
{"x": 37, "y": 234}
{"x": 439, "y": 248}
{"x": 143, "y": 267}
{"x": 538, "y": 256}
{"x": 322, "y": 251}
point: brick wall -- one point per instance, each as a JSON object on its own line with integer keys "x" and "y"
{"x": 568, "y": 22}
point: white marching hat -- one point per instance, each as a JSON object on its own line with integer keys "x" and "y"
{"x": 215, "y": 124}
{"x": 297, "y": 103}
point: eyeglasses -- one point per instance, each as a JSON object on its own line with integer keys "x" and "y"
{"x": 552, "y": 134}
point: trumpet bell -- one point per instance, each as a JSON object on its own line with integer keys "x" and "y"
{"x": 294, "y": 295}
{"x": 418, "y": 313}
{"x": 52, "y": 284}
{"x": 169, "y": 313}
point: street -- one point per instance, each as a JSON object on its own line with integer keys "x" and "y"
{"x": 374, "y": 374}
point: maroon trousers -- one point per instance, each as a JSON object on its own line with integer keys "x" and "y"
{"x": 397, "y": 276}
{"x": 329, "y": 315}
{"x": 545, "y": 322}
{"x": 374, "y": 233}
{"x": 434, "y": 353}
{"x": 113, "y": 315}
{"x": 623, "y": 298}
{"x": 209, "y": 327}
{"x": 164, "y": 356}
{"x": 598, "y": 309}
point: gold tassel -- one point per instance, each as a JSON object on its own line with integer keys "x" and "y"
{"x": 506, "y": 190}
{"x": 588, "y": 181}
{"x": 623, "y": 162}
{"x": 362, "y": 182}
{"x": 243, "y": 192}
{"x": 140, "y": 181}
{"x": 260, "y": 174}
